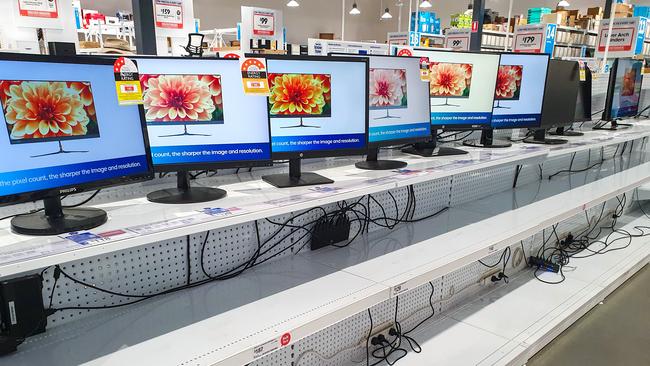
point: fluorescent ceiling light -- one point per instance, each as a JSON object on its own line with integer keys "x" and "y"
{"x": 355, "y": 10}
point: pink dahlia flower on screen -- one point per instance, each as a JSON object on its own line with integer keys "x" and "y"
{"x": 449, "y": 80}
{"x": 387, "y": 87}
{"x": 178, "y": 98}
{"x": 508, "y": 81}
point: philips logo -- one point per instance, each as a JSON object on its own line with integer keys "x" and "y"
{"x": 67, "y": 191}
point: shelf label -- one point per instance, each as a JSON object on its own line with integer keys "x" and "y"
{"x": 38, "y": 9}
{"x": 266, "y": 348}
{"x": 169, "y": 14}
{"x": 414, "y": 39}
{"x": 458, "y": 39}
{"x": 399, "y": 289}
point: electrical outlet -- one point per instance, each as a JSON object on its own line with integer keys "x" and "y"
{"x": 381, "y": 329}
{"x": 486, "y": 278}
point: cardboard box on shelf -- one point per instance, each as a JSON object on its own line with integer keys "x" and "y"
{"x": 554, "y": 18}
{"x": 596, "y": 11}
{"x": 574, "y": 13}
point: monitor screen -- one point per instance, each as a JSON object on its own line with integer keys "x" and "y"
{"x": 398, "y": 101}
{"x": 198, "y": 115}
{"x": 461, "y": 87}
{"x": 64, "y": 129}
{"x": 624, "y": 91}
{"x": 317, "y": 106}
{"x": 519, "y": 90}
{"x": 561, "y": 94}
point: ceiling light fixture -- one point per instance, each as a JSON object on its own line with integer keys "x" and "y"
{"x": 425, "y": 4}
{"x": 386, "y": 14}
{"x": 293, "y": 4}
{"x": 563, "y": 4}
{"x": 355, "y": 10}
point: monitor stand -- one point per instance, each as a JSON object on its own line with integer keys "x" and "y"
{"x": 61, "y": 151}
{"x": 560, "y": 131}
{"x": 185, "y": 133}
{"x": 387, "y": 116}
{"x": 499, "y": 106}
{"x": 55, "y": 219}
{"x": 295, "y": 178}
{"x": 372, "y": 163}
{"x": 184, "y": 193}
{"x": 487, "y": 140}
{"x": 640, "y": 114}
{"x": 302, "y": 124}
{"x": 540, "y": 138}
{"x": 614, "y": 125}
{"x": 429, "y": 149}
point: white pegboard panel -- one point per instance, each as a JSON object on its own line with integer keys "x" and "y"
{"x": 431, "y": 196}
{"x": 139, "y": 271}
{"x": 467, "y": 187}
{"x": 282, "y": 356}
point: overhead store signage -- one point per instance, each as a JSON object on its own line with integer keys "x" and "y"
{"x": 626, "y": 39}
{"x": 458, "y": 39}
{"x": 169, "y": 14}
{"x": 535, "y": 38}
{"x": 263, "y": 23}
{"x": 316, "y": 47}
{"x": 38, "y": 8}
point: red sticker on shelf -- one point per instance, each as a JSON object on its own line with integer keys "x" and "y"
{"x": 285, "y": 339}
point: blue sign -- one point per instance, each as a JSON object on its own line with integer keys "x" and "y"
{"x": 549, "y": 43}
{"x": 414, "y": 39}
{"x": 640, "y": 35}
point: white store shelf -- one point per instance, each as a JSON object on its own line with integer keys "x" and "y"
{"x": 247, "y": 201}
{"x": 518, "y": 319}
{"x": 260, "y": 306}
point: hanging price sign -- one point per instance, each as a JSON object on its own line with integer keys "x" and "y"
{"x": 169, "y": 14}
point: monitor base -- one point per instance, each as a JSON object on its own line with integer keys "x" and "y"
{"x": 546, "y": 141}
{"x": 61, "y": 151}
{"x": 185, "y": 193}
{"x": 174, "y": 196}
{"x": 494, "y": 144}
{"x": 428, "y": 152}
{"x": 57, "y": 220}
{"x": 380, "y": 165}
{"x": 287, "y": 181}
{"x": 185, "y": 133}
{"x": 567, "y": 133}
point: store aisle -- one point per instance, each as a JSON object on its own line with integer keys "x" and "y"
{"x": 614, "y": 333}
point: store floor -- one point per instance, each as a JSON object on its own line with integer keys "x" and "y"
{"x": 614, "y": 333}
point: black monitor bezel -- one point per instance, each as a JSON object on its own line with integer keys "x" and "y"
{"x": 464, "y": 127}
{"x": 308, "y": 154}
{"x": 541, "y": 116}
{"x": 385, "y": 143}
{"x": 609, "y": 101}
{"x": 164, "y": 168}
{"x": 546, "y": 126}
{"x": 17, "y": 198}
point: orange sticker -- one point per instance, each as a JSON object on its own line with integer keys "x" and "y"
{"x": 254, "y": 76}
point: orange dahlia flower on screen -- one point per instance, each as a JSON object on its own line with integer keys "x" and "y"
{"x": 449, "y": 80}
{"x": 178, "y": 98}
{"x": 298, "y": 94}
{"x": 39, "y": 109}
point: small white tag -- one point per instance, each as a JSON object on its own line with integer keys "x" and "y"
{"x": 12, "y": 313}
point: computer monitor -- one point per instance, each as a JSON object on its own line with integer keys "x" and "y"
{"x": 623, "y": 91}
{"x": 318, "y": 107}
{"x": 199, "y": 118}
{"x": 560, "y": 99}
{"x": 399, "y": 107}
{"x": 65, "y": 133}
{"x": 583, "y": 105}
{"x": 518, "y": 96}
{"x": 461, "y": 92}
